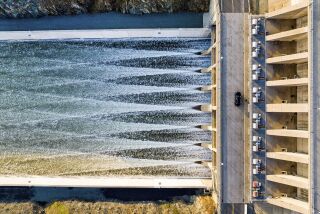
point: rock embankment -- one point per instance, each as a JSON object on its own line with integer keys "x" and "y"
{"x": 38, "y": 8}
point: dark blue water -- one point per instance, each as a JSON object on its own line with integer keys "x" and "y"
{"x": 114, "y": 107}
{"x": 111, "y": 20}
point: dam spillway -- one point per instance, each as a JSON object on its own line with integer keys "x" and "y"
{"x": 103, "y": 108}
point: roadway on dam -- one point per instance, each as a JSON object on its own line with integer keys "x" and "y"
{"x": 232, "y": 116}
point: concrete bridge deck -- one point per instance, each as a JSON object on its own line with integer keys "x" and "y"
{"x": 105, "y": 34}
{"x": 106, "y": 182}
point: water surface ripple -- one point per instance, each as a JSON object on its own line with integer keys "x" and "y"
{"x": 103, "y": 108}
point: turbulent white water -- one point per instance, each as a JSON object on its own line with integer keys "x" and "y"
{"x": 113, "y": 105}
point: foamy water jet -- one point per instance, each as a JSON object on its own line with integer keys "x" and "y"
{"x": 98, "y": 108}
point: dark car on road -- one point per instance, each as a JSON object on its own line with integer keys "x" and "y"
{"x": 237, "y": 98}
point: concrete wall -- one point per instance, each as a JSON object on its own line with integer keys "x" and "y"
{"x": 316, "y": 106}
{"x": 302, "y": 118}
{"x": 262, "y": 208}
{"x": 278, "y": 4}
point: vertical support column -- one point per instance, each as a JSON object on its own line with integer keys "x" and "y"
{"x": 257, "y": 108}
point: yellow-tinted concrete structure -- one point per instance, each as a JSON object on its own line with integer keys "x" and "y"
{"x": 280, "y": 86}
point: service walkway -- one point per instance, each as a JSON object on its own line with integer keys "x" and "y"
{"x": 106, "y": 182}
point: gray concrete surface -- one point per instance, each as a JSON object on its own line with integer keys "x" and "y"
{"x": 234, "y": 6}
{"x": 104, "y": 182}
{"x": 105, "y": 34}
{"x": 232, "y": 116}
